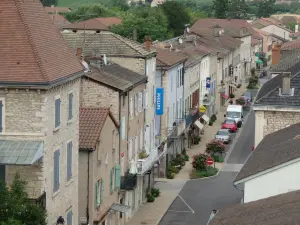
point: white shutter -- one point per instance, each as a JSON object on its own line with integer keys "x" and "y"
{"x": 147, "y": 139}
{"x": 131, "y": 107}
{"x": 141, "y": 139}
{"x": 123, "y": 128}
{"x": 140, "y": 101}
{"x": 146, "y": 99}
{"x": 136, "y": 147}
{"x": 136, "y": 104}
{"x": 130, "y": 149}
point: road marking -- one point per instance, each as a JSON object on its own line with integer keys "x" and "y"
{"x": 180, "y": 211}
{"x": 232, "y": 167}
{"x": 186, "y": 204}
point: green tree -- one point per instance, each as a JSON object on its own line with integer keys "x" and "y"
{"x": 220, "y": 8}
{"x": 237, "y": 9}
{"x": 195, "y": 15}
{"x": 146, "y": 21}
{"x": 265, "y": 8}
{"x": 177, "y": 16}
{"x": 16, "y": 209}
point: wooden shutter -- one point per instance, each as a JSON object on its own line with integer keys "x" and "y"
{"x": 131, "y": 107}
{"x": 57, "y": 112}
{"x": 140, "y": 101}
{"x": 118, "y": 176}
{"x": 69, "y": 160}
{"x": 70, "y": 114}
{"x": 56, "y": 171}
{"x": 111, "y": 181}
{"x": 1, "y": 116}
{"x": 130, "y": 149}
{"x": 69, "y": 218}
{"x": 101, "y": 191}
{"x": 96, "y": 194}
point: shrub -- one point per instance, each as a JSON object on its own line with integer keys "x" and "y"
{"x": 170, "y": 175}
{"x": 185, "y": 156}
{"x": 240, "y": 101}
{"x": 199, "y": 161}
{"x": 143, "y": 155}
{"x": 197, "y": 139}
{"x": 253, "y": 71}
{"x": 239, "y": 85}
{"x": 150, "y": 197}
{"x": 179, "y": 160}
{"x": 230, "y": 102}
{"x": 213, "y": 117}
{"x": 155, "y": 192}
{"x": 231, "y": 95}
{"x": 210, "y": 123}
{"x": 215, "y": 147}
{"x": 217, "y": 158}
{"x": 171, "y": 168}
{"x": 211, "y": 171}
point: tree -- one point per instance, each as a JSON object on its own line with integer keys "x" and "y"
{"x": 220, "y": 8}
{"x": 15, "y": 207}
{"x": 177, "y": 16}
{"x": 265, "y": 8}
{"x": 237, "y": 9}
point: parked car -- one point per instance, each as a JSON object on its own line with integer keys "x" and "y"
{"x": 224, "y": 136}
{"x": 230, "y": 124}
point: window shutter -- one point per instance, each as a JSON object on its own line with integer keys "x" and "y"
{"x": 136, "y": 103}
{"x": 118, "y": 176}
{"x": 69, "y": 218}
{"x": 123, "y": 128}
{"x": 140, "y": 102}
{"x": 102, "y": 191}
{"x": 146, "y": 99}
{"x": 56, "y": 171}
{"x": 141, "y": 139}
{"x": 96, "y": 195}
{"x": 111, "y": 181}
{"x": 57, "y": 112}
{"x": 131, "y": 107}
{"x": 1, "y": 115}
{"x": 70, "y": 116}
{"x": 136, "y": 147}
{"x": 69, "y": 160}
{"x": 130, "y": 149}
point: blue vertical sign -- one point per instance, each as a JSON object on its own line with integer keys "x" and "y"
{"x": 159, "y": 103}
{"x": 207, "y": 82}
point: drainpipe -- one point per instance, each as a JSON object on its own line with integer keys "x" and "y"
{"x": 88, "y": 190}
{"x": 120, "y": 129}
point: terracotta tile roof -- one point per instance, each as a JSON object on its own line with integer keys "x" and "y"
{"x": 264, "y": 22}
{"x": 116, "y": 76}
{"x": 91, "y": 122}
{"x": 290, "y": 45}
{"x": 262, "y": 32}
{"x": 54, "y": 9}
{"x": 59, "y": 20}
{"x": 95, "y": 24}
{"x": 32, "y": 49}
{"x": 275, "y": 149}
{"x": 166, "y": 58}
{"x": 106, "y": 43}
{"x": 280, "y": 210}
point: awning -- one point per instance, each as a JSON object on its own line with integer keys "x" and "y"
{"x": 199, "y": 125}
{"x": 205, "y": 118}
{"x": 14, "y": 152}
{"x": 120, "y": 208}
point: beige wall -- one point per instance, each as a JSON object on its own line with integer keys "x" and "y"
{"x": 135, "y": 64}
{"x": 83, "y": 177}
{"x": 267, "y": 122}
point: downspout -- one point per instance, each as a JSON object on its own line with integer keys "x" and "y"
{"x": 120, "y": 129}
{"x": 88, "y": 188}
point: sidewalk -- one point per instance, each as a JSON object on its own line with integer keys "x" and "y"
{"x": 152, "y": 213}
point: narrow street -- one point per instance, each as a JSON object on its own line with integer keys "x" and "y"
{"x": 199, "y": 197}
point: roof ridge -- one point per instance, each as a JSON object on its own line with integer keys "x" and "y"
{"x": 34, "y": 50}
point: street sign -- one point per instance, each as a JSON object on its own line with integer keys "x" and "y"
{"x": 207, "y": 82}
{"x": 159, "y": 108}
{"x": 210, "y": 161}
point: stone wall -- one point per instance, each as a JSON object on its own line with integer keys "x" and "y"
{"x": 135, "y": 64}
{"x": 96, "y": 95}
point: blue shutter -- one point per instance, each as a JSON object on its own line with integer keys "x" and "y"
{"x": 117, "y": 176}
{"x": 57, "y": 112}
{"x": 69, "y": 160}
{"x": 56, "y": 171}
{"x": 111, "y": 181}
{"x": 70, "y": 115}
{"x": 69, "y": 218}
{"x": 1, "y": 115}
{"x": 96, "y": 194}
{"x": 101, "y": 191}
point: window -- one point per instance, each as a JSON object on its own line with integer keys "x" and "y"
{"x": 123, "y": 128}
{"x": 70, "y": 112}
{"x": 136, "y": 147}
{"x": 123, "y": 100}
{"x": 56, "y": 171}
{"x": 57, "y": 112}
{"x": 131, "y": 107}
{"x": 69, "y": 160}
{"x": 1, "y": 115}
{"x": 141, "y": 139}
{"x": 70, "y": 218}
{"x": 117, "y": 176}
{"x": 140, "y": 101}
{"x": 99, "y": 191}
{"x": 112, "y": 180}
{"x": 145, "y": 99}
{"x": 136, "y": 104}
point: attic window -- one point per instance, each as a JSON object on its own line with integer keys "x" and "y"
{"x": 74, "y": 31}
{"x": 97, "y": 31}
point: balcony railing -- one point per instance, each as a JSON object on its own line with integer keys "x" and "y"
{"x": 128, "y": 182}
{"x": 180, "y": 126}
{"x": 143, "y": 165}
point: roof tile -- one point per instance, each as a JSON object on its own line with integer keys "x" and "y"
{"x": 101, "y": 23}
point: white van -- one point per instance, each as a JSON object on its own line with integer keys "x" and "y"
{"x": 235, "y": 112}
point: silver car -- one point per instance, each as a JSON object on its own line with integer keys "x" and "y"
{"x": 224, "y": 136}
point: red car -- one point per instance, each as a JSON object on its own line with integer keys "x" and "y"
{"x": 230, "y": 124}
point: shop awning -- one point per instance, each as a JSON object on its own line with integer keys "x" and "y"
{"x": 199, "y": 125}
{"x": 205, "y": 118}
{"x": 14, "y": 152}
{"x": 120, "y": 208}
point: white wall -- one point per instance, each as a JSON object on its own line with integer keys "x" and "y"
{"x": 280, "y": 181}
{"x": 277, "y": 31}
{"x": 204, "y": 73}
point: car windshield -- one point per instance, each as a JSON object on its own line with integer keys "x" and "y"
{"x": 233, "y": 114}
{"x": 229, "y": 121}
{"x": 222, "y": 132}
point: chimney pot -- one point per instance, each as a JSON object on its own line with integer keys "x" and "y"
{"x": 148, "y": 43}
{"x": 79, "y": 52}
{"x": 286, "y": 83}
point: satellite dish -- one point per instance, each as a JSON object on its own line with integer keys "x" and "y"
{"x": 188, "y": 29}
{"x": 86, "y": 66}
{"x": 104, "y": 59}
{"x": 180, "y": 40}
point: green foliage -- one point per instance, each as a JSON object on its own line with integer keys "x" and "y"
{"x": 210, "y": 171}
{"x": 146, "y": 21}
{"x": 215, "y": 147}
{"x": 220, "y": 8}
{"x": 186, "y": 157}
{"x": 170, "y": 175}
{"x": 237, "y": 9}
{"x": 197, "y": 139}
{"x": 177, "y": 16}
{"x": 231, "y": 95}
{"x": 18, "y": 209}
{"x": 265, "y": 8}
{"x": 150, "y": 197}
{"x": 199, "y": 161}
{"x": 155, "y": 192}
{"x": 171, "y": 168}
{"x": 179, "y": 160}
{"x": 240, "y": 101}
{"x": 213, "y": 117}
{"x": 218, "y": 158}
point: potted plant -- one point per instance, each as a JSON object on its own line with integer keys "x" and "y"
{"x": 143, "y": 155}
{"x": 155, "y": 192}
{"x": 231, "y": 95}
{"x": 150, "y": 197}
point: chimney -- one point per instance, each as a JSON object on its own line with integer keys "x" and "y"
{"x": 286, "y": 83}
{"x": 276, "y": 53}
{"x": 79, "y": 52}
{"x": 148, "y": 43}
{"x": 216, "y": 30}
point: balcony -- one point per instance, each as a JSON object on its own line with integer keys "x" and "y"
{"x": 128, "y": 182}
{"x": 180, "y": 127}
{"x": 143, "y": 165}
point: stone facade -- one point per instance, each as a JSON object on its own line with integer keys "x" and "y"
{"x": 135, "y": 64}
{"x": 29, "y": 114}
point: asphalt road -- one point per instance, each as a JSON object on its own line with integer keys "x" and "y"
{"x": 199, "y": 197}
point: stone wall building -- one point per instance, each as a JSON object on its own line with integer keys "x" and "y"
{"x": 39, "y": 108}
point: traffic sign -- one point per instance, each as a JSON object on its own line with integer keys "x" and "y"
{"x": 210, "y": 161}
